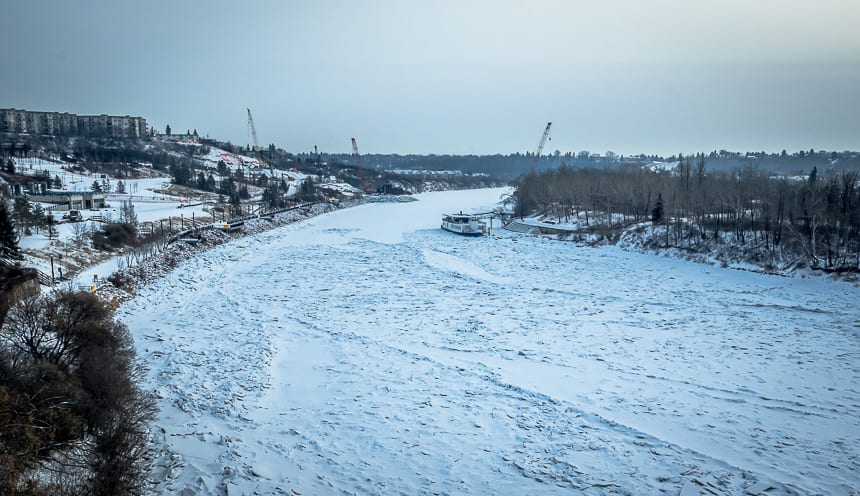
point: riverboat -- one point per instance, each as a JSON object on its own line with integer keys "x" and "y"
{"x": 465, "y": 224}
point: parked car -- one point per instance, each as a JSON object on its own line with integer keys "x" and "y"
{"x": 73, "y": 216}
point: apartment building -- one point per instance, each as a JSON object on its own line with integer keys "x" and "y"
{"x": 66, "y": 124}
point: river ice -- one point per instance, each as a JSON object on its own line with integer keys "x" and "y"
{"x": 367, "y": 351}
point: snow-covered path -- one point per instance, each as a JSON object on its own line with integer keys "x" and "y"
{"x": 366, "y": 351}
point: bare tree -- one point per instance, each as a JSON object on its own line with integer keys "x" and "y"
{"x": 817, "y": 220}
{"x": 70, "y": 403}
{"x": 80, "y": 230}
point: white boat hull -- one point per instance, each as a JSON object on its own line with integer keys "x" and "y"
{"x": 463, "y": 225}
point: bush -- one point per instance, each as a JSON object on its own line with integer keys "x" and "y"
{"x": 71, "y": 409}
{"x": 114, "y": 236}
{"x": 119, "y": 280}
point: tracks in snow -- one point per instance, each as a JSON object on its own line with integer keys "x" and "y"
{"x": 359, "y": 367}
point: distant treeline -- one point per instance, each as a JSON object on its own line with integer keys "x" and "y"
{"x": 512, "y": 165}
{"x": 505, "y": 166}
{"x": 816, "y": 217}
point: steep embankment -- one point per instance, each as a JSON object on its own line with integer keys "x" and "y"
{"x": 726, "y": 250}
{"x": 745, "y": 251}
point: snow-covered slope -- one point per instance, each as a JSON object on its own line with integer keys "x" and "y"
{"x": 367, "y": 351}
{"x": 60, "y": 252}
{"x": 232, "y": 160}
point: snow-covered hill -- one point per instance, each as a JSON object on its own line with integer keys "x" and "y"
{"x": 66, "y": 252}
{"x": 366, "y": 351}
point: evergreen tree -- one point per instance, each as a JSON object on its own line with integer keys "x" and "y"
{"x": 120, "y": 186}
{"x": 270, "y": 196}
{"x": 49, "y": 222}
{"x": 181, "y": 173}
{"x": 96, "y": 187}
{"x": 235, "y": 205}
{"x": 127, "y": 214}
{"x": 8, "y": 237}
{"x": 308, "y": 190}
{"x": 10, "y": 166}
{"x": 22, "y": 211}
{"x": 38, "y": 217}
{"x": 657, "y": 211}
{"x": 227, "y": 187}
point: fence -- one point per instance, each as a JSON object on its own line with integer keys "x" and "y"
{"x": 44, "y": 279}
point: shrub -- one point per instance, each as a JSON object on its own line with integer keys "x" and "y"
{"x": 114, "y": 236}
{"x": 70, "y": 403}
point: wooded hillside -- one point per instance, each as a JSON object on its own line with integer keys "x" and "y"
{"x": 816, "y": 218}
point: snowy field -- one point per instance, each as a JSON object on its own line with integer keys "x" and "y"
{"x": 367, "y": 351}
{"x": 150, "y": 205}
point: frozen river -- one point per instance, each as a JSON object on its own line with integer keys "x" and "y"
{"x": 367, "y": 351}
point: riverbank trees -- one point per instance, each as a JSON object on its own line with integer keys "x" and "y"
{"x": 814, "y": 218}
{"x": 73, "y": 419}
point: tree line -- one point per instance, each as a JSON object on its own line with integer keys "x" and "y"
{"x": 816, "y": 218}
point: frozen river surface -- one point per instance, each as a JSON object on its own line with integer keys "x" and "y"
{"x": 367, "y": 351}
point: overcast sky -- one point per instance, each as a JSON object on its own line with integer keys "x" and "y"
{"x": 451, "y": 76}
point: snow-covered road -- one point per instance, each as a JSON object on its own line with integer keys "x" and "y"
{"x": 366, "y": 351}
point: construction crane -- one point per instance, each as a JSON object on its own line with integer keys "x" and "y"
{"x": 257, "y": 151}
{"x": 358, "y": 167}
{"x": 540, "y": 147}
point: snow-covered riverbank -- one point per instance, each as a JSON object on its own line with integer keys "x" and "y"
{"x": 367, "y": 351}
